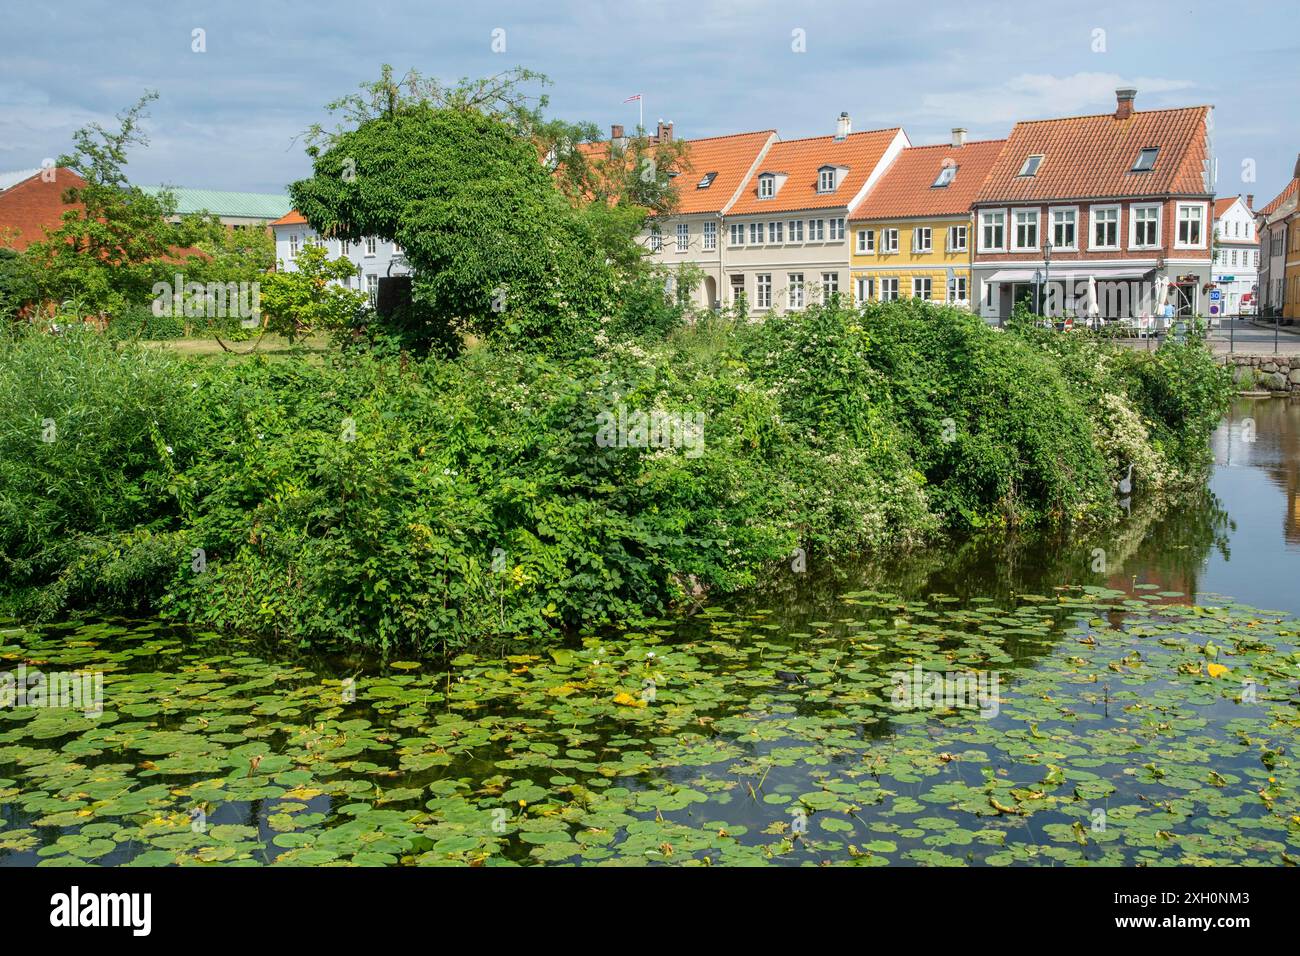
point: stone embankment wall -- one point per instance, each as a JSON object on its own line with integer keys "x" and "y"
{"x": 1266, "y": 373}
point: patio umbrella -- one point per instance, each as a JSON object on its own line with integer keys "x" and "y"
{"x": 1094, "y": 310}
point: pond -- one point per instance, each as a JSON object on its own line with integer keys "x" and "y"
{"x": 1046, "y": 701}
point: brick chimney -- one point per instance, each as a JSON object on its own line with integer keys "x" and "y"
{"x": 665, "y": 132}
{"x": 958, "y": 136}
{"x": 615, "y": 131}
{"x": 1250, "y": 201}
{"x": 843, "y": 127}
{"x": 1124, "y": 102}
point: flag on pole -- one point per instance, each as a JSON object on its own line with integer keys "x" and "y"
{"x": 633, "y": 98}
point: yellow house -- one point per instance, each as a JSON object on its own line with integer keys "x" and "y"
{"x": 912, "y": 236}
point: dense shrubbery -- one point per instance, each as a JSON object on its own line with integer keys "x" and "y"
{"x": 402, "y": 503}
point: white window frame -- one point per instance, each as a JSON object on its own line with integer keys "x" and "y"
{"x": 826, "y": 180}
{"x": 1074, "y": 221}
{"x": 837, "y": 229}
{"x": 984, "y": 224}
{"x": 776, "y": 232}
{"x": 795, "y": 230}
{"x": 709, "y": 237}
{"x": 816, "y": 230}
{"x": 1178, "y": 224}
{"x": 293, "y": 245}
{"x": 756, "y": 233}
{"x": 372, "y": 246}
{"x": 953, "y": 233}
{"x": 737, "y": 234}
{"x": 864, "y": 288}
{"x": 683, "y": 237}
{"x": 794, "y": 290}
{"x": 1132, "y": 224}
{"x": 922, "y": 239}
{"x": 1037, "y": 244}
{"x": 372, "y": 288}
{"x": 959, "y": 290}
{"x": 865, "y": 241}
{"x": 922, "y": 281}
{"x": 888, "y": 242}
{"x": 766, "y": 186}
{"x": 656, "y": 239}
{"x": 830, "y": 285}
{"x": 889, "y": 288}
{"x": 1093, "y": 246}
{"x": 763, "y": 290}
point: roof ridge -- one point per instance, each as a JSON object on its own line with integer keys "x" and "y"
{"x": 706, "y": 139}
{"x": 969, "y": 142}
{"x": 1169, "y": 109}
{"x": 831, "y": 136}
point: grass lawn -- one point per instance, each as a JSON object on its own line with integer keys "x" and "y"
{"x": 271, "y": 346}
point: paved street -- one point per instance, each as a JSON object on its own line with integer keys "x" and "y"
{"x": 1241, "y": 336}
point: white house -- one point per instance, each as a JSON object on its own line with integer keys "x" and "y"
{"x": 373, "y": 258}
{"x": 1235, "y": 269}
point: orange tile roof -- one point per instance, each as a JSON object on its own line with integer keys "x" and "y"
{"x": 1223, "y": 204}
{"x": 907, "y": 189}
{"x": 1093, "y": 156}
{"x": 800, "y": 159}
{"x": 291, "y": 218}
{"x": 730, "y": 157}
{"x": 1282, "y": 197}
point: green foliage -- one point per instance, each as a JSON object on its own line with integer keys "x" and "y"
{"x": 495, "y": 248}
{"x": 139, "y": 322}
{"x": 309, "y": 298}
{"x": 18, "y": 283}
{"x": 397, "y": 503}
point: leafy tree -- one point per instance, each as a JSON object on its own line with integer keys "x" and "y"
{"x": 307, "y": 300}
{"x": 18, "y": 285}
{"x": 455, "y": 179}
{"x": 114, "y": 241}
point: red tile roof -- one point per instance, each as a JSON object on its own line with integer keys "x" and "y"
{"x": 1093, "y": 156}
{"x": 907, "y": 189}
{"x": 1223, "y": 204}
{"x": 291, "y": 218}
{"x": 1281, "y": 197}
{"x": 800, "y": 159}
{"x": 731, "y": 157}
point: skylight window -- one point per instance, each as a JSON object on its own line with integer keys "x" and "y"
{"x": 707, "y": 181}
{"x": 1146, "y": 159}
{"x": 1031, "y": 166}
{"x": 946, "y": 175}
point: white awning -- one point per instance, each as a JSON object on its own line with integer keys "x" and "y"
{"x": 1066, "y": 273}
{"x": 1012, "y": 275}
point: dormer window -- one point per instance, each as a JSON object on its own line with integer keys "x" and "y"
{"x": 946, "y": 175}
{"x": 707, "y": 181}
{"x": 1146, "y": 160}
{"x": 826, "y": 179}
{"x": 1030, "y": 168}
{"x": 766, "y": 186}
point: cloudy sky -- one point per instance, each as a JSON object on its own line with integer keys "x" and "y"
{"x": 228, "y": 117}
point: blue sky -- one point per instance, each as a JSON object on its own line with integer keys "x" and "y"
{"x": 227, "y": 118}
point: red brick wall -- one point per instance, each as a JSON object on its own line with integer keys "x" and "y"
{"x": 35, "y": 205}
{"x": 1168, "y": 227}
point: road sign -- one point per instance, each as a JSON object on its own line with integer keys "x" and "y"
{"x": 1215, "y": 295}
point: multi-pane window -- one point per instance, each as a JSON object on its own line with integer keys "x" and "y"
{"x": 1190, "y": 222}
{"x": 1026, "y": 229}
{"x": 683, "y": 237}
{"x": 372, "y": 288}
{"x": 656, "y": 239}
{"x": 763, "y": 290}
{"x": 920, "y": 287}
{"x": 775, "y": 232}
{"x": 957, "y": 238}
{"x": 993, "y": 225}
{"x": 710, "y": 236}
{"x": 830, "y": 285}
{"x": 766, "y": 187}
{"x": 1105, "y": 227}
{"x": 864, "y": 289}
{"x": 922, "y": 240}
{"x": 816, "y": 230}
{"x": 889, "y": 290}
{"x": 957, "y": 289}
{"x": 1146, "y": 226}
{"x": 837, "y": 229}
{"x": 888, "y": 240}
{"x": 796, "y": 230}
{"x": 795, "y": 290}
{"x": 293, "y": 246}
{"x": 737, "y": 233}
{"x": 371, "y": 245}
{"x": 1064, "y": 228}
{"x": 866, "y": 241}
{"x": 826, "y": 181}
{"x": 755, "y": 233}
